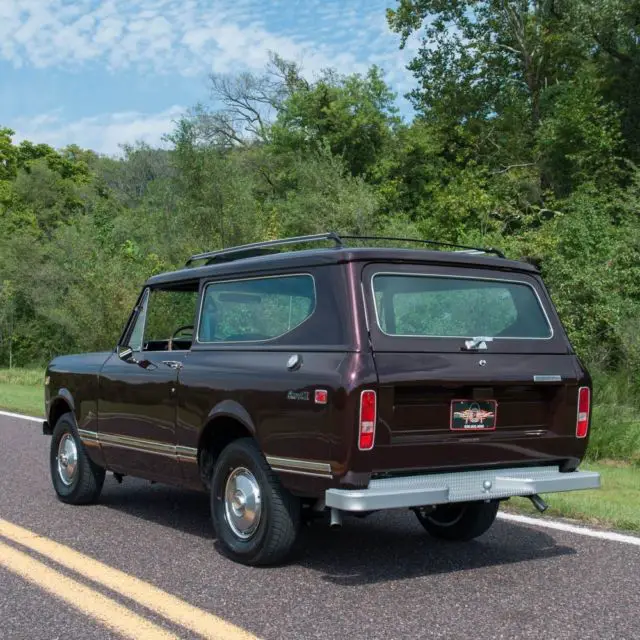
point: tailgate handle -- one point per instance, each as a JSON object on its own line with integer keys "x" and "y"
{"x": 479, "y": 343}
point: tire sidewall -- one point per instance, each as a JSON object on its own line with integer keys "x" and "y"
{"x": 65, "y": 425}
{"x": 231, "y": 458}
{"x": 474, "y": 519}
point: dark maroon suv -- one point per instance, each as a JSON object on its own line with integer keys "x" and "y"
{"x": 288, "y": 384}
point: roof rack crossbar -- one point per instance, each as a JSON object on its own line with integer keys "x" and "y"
{"x": 260, "y": 248}
{"x": 464, "y": 247}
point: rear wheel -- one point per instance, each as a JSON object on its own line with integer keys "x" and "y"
{"x": 256, "y": 519}
{"x": 76, "y": 479}
{"x": 459, "y": 521}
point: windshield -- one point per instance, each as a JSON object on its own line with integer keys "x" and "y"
{"x": 458, "y": 307}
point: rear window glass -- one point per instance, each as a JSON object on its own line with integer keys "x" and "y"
{"x": 450, "y": 307}
{"x": 255, "y": 310}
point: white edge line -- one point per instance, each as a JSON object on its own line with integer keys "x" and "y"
{"x": 570, "y": 528}
{"x": 8, "y": 414}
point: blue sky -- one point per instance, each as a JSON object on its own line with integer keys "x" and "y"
{"x": 101, "y": 72}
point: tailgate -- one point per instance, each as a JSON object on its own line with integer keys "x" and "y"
{"x": 449, "y": 400}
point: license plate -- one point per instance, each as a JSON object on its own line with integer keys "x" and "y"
{"x": 473, "y": 415}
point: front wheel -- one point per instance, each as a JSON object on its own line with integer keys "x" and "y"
{"x": 76, "y": 479}
{"x": 256, "y": 519}
{"x": 458, "y": 521}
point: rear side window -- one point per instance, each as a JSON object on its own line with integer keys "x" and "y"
{"x": 255, "y": 310}
{"x": 454, "y": 307}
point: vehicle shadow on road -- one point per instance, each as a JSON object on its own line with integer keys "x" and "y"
{"x": 381, "y": 548}
{"x": 393, "y": 546}
{"x": 180, "y": 509}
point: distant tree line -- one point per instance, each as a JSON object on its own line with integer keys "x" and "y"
{"x": 526, "y": 137}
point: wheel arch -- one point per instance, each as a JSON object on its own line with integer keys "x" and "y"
{"x": 62, "y": 403}
{"x": 228, "y": 421}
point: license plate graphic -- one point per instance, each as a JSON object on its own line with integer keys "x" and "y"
{"x": 473, "y": 415}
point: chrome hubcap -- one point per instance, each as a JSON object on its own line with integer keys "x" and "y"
{"x": 242, "y": 503}
{"x": 67, "y": 459}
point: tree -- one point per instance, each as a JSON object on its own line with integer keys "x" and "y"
{"x": 354, "y": 115}
{"x": 492, "y": 73}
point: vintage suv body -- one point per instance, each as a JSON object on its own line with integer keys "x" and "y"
{"x": 288, "y": 384}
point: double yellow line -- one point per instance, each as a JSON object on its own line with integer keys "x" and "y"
{"x": 98, "y": 606}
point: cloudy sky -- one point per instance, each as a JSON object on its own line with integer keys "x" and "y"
{"x": 102, "y": 72}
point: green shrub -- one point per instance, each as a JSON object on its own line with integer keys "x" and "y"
{"x": 615, "y": 430}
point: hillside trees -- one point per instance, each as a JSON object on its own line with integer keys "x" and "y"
{"x": 526, "y": 136}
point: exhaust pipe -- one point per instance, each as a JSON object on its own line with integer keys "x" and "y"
{"x": 336, "y": 518}
{"x": 538, "y": 503}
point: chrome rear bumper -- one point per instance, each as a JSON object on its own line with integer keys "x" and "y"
{"x": 463, "y": 486}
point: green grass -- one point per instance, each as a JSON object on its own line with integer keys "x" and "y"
{"x": 22, "y": 390}
{"x": 616, "y": 504}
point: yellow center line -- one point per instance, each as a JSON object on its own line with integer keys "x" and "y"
{"x": 160, "y": 602}
{"x": 87, "y": 600}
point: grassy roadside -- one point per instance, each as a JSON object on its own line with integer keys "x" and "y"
{"x": 22, "y": 391}
{"x": 616, "y": 504}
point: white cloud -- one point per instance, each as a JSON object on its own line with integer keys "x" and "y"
{"x": 191, "y": 36}
{"x": 186, "y": 37}
{"x": 104, "y": 133}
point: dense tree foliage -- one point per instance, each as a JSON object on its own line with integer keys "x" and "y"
{"x": 526, "y": 135}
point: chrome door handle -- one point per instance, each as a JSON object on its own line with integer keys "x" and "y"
{"x": 173, "y": 364}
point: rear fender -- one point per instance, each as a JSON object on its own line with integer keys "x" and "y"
{"x": 234, "y": 410}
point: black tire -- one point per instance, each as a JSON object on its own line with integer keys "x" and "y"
{"x": 459, "y": 521}
{"x": 279, "y": 520}
{"x": 85, "y": 484}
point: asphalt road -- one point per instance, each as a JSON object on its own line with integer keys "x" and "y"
{"x": 381, "y": 577}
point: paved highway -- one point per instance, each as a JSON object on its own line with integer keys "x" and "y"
{"x": 143, "y": 564}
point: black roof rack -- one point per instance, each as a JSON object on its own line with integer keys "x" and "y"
{"x": 262, "y": 248}
{"x": 436, "y": 243}
{"x": 259, "y": 248}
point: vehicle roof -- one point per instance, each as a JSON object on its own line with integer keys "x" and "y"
{"x": 319, "y": 257}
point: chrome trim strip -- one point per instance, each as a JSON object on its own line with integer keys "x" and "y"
{"x": 547, "y": 378}
{"x": 119, "y": 445}
{"x": 438, "y": 275}
{"x": 87, "y": 435}
{"x": 197, "y": 340}
{"x": 296, "y": 463}
{"x": 186, "y": 451}
{"x": 302, "y": 473}
{"x": 139, "y": 444}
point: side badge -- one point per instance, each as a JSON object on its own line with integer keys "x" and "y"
{"x": 298, "y": 395}
{"x": 482, "y": 363}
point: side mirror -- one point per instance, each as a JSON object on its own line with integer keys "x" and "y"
{"x": 126, "y": 354}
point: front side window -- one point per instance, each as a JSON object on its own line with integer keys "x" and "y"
{"x": 255, "y": 310}
{"x": 165, "y": 320}
{"x": 450, "y": 307}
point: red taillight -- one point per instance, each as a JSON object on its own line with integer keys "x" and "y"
{"x": 584, "y": 406}
{"x": 367, "y": 433}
